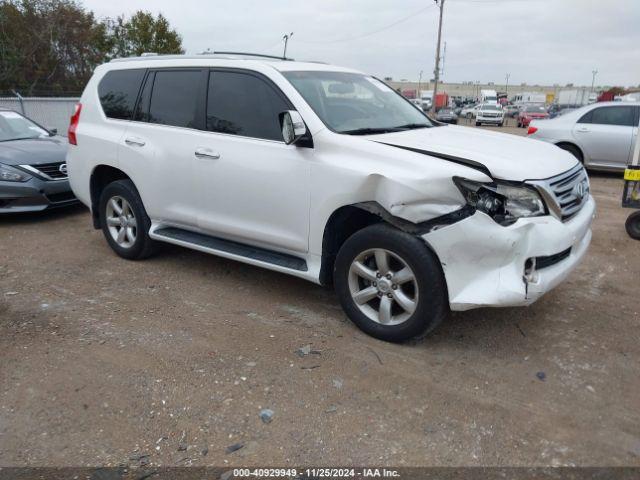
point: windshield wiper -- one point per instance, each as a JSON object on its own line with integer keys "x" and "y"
{"x": 411, "y": 126}
{"x": 20, "y": 138}
{"x": 370, "y": 131}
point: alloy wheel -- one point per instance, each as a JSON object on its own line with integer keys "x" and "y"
{"x": 121, "y": 221}
{"x": 383, "y": 286}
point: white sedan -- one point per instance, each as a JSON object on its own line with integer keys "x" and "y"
{"x": 470, "y": 112}
{"x": 600, "y": 135}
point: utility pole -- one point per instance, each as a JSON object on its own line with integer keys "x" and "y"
{"x": 419, "y": 82}
{"x": 286, "y": 40}
{"x": 506, "y": 85}
{"x": 593, "y": 78}
{"x": 436, "y": 70}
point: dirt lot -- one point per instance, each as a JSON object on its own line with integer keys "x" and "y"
{"x": 103, "y": 360}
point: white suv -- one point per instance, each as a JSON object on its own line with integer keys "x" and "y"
{"x": 491, "y": 113}
{"x": 327, "y": 174}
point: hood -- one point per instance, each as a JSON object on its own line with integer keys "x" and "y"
{"x": 505, "y": 156}
{"x": 33, "y": 151}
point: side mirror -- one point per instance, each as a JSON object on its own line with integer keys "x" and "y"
{"x": 53, "y": 131}
{"x": 293, "y": 127}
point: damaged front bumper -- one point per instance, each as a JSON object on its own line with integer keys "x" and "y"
{"x": 486, "y": 264}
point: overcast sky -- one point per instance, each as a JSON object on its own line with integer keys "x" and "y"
{"x": 536, "y": 41}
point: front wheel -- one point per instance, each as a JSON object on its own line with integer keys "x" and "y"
{"x": 632, "y": 225}
{"x": 390, "y": 284}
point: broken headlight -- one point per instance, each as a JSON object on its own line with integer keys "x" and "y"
{"x": 503, "y": 202}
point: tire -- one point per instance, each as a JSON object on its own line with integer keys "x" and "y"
{"x": 572, "y": 150}
{"x": 519, "y": 125}
{"x": 137, "y": 245}
{"x": 426, "y": 288}
{"x": 632, "y": 225}
{"x": 477, "y": 124}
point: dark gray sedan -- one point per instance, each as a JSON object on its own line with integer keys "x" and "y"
{"x": 446, "y": 115}
{"x": 33, "y": 172}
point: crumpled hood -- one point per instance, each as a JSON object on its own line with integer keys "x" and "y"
{"x": 33, "y": 151}
{"x": 505, "y": 156}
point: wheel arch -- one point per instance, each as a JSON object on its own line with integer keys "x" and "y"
{"x": 349, "y": 219}
{"x": 102, "y": 176}
{"x": 573, "y": 145}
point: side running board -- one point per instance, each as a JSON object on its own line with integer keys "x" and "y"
{"x": 214, "y": 244}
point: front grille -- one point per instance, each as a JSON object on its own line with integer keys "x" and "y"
{"x": 51, "y": 171}
{"x": 568, "y": 191}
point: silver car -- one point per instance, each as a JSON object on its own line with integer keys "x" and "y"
{"x": 600, "y": 135}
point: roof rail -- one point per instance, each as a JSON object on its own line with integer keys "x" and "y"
{"x": 254, "y": 55}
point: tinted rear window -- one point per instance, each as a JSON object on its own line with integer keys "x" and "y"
{"x": 174, "y": 98}
{"x": 118, "y": 90}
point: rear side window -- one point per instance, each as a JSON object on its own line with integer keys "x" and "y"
{"x": 118, "y": 90}
{"x": 621, "y": 116}
{"x": 244, "y": 104}
{"x": 174, "y": 98}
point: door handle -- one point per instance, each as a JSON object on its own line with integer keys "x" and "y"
{"x": 206, "y": 153}
{"x": 134, "y": 141}
{"x": 583, "y": 129}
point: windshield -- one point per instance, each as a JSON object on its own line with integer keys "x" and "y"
{"x": 355, "y": 104}
{"x": 14, "y": 126}
{"x": 535, "y": 110}
{"x": 489, "y": 107}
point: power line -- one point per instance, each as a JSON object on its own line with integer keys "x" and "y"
{"x": 373, "y": 32}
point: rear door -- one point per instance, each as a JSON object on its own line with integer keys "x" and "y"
{"x": 157, "y": 147}
{"x": 605, "y": 135}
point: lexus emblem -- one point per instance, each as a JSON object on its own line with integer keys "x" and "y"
{"x": 63, "y": 168}
{"x": 580, "y": 190}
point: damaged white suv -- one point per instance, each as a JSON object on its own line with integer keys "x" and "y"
{"x": 327, "y": 174}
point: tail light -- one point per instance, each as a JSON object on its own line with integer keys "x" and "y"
{"x": 73, "y": 125}
{"x": 532, "y": 130}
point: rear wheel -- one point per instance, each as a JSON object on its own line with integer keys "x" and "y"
{"x": 124, "y": 221}
{"x": 477, "y": 124}
{"x": 632, "y": 225}
{"x": 390, "y": 284}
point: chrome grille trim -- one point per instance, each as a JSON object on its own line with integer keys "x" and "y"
{"x": 48, "y": 171}
{"x": 561, "y": 192}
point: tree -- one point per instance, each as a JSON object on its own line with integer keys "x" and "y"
{"x": 54, "y": 45}
{"x": 49, "y": 44}
{"x": 144, "y": 33}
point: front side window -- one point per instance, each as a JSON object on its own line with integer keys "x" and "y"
{"x": 356, "y": 104}
{"x": 118, "y": 90}
{"x": 243, "y": 104}
{"x": 174, "y": 98}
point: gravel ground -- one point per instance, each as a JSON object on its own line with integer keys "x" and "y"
{"x": 171, "y": 360}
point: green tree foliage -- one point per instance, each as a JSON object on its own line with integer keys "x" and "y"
{"x": 54, "y": 45}
{"x": 144, "y": 33}
{"x": 48, "y": 44}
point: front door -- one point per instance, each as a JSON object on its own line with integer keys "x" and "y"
{"x": 253, "y": 187}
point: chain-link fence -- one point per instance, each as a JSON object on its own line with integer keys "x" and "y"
{"x": 50, "y": 112}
